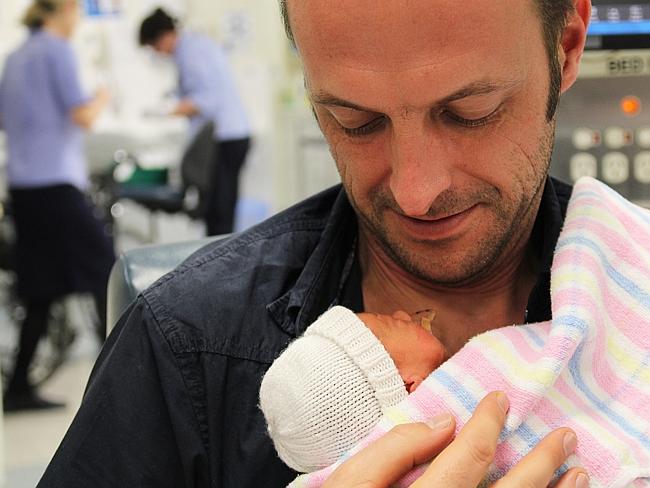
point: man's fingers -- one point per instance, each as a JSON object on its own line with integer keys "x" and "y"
{"x": 574, "y": 478}
{"x": 395, "y": 454}
{"x": 466, "y": 460}
{"x": 462, "y": 463}
{"x": 538, "y": 466}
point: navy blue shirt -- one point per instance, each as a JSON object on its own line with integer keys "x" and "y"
{"x": 173, "y": 398}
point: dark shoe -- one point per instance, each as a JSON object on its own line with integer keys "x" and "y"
{"x": 16, "y": 402}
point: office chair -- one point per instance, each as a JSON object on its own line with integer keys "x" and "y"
{"x": 190, "y": 196}
{"x": 139, "y": 268}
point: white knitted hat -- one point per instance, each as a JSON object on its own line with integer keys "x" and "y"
{"x": 327, "y": 390}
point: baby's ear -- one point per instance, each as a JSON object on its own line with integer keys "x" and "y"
{"x": 412, "y": 383}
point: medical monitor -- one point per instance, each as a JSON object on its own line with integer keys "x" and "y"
{"x": 619, "y": 24}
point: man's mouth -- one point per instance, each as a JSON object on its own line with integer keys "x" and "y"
{"x": 437, "y": 227}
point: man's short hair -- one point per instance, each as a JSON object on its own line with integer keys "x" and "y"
{"x": 554, "y": 15}
{"x": 155, "y": 25}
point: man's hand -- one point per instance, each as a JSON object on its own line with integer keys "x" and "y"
{"x": 461, "y": 463}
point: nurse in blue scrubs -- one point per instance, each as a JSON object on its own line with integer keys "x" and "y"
{"x": 208, "y": 93}
{"x": 62, "y": 247}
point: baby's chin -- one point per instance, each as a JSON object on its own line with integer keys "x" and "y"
{"x": 427, "y": 364}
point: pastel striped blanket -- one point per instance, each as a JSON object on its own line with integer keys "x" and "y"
{"x": 588, "y": 369}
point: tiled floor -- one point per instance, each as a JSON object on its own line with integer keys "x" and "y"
{"x": 30, "y": 439}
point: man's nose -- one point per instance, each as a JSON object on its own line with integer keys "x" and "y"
{"x": 421, "y": 170}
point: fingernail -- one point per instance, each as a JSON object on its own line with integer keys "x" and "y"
{"x": 570, "y": 443}
{"x": 440, "y": 422}
{"x": 582, "y": 481}
{"x": 504, "y": 403}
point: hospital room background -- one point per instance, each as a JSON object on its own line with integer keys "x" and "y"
{"x": 603, "y": 132}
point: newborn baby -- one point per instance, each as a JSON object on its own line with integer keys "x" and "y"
{"x": 331, "y": 386}
{"x": 409, "y": 342}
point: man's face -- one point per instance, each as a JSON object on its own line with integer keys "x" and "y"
{"x": 435, "y": 112}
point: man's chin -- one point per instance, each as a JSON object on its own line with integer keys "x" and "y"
{"x": 447, "y": 264}
{"x": 445, "y": 275}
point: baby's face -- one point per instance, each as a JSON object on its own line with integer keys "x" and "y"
{"x": 414, "y": 350}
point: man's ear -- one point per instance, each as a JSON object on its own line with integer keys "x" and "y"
{"x": 573, "y": 42}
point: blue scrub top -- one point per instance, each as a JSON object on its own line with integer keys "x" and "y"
{"x": 38, "y": 90}
{"x": 206, "y": 80}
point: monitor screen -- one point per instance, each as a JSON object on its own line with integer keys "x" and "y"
{"x": 100, "y": 8}
{"x": 619, "y": 24}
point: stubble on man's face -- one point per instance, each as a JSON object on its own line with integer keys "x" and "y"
{"x": 475, "y": 263}
{"x": 494, "y": 173}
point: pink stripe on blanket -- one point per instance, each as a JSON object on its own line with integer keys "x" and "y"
{"x": 618, "y": 246}
{"x": 589, "y": 411}
{"x": 603, "y": 462}
{"x": 635, "y": 227}
{"x": 491, "y": 378}
{"x": 520, "y": 342}
{"x": 426, "y": 402}
{"x": 628, "y": 320}
{"x": 608, "y": 377}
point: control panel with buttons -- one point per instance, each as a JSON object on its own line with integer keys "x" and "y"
{"x": 603, "y": 131}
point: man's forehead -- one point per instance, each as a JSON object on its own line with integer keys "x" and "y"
{"x": 399, "y": 32}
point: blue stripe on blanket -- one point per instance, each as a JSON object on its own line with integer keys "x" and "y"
{"x": 466, "y": 398}
{"x": 539, "y": 342}
{"x": 628, "y": 285}
{"x": 599, "y": 404}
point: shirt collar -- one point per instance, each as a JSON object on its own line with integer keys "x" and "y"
{"x": 546, "y": 231}
{"x": 549, "y": 222}
{"x": 324, "y": 275}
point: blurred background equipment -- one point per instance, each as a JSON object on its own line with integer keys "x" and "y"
{"x": 153, "y": 189}
{"x": 603, "y": 126}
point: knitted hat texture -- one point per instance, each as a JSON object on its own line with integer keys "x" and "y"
{"x": 327, "y": 390}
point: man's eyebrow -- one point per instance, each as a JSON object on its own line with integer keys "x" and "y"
{"x": 478, "y": 88}
{"x": 323, "y": 98}
{"x": 473, "y": 89}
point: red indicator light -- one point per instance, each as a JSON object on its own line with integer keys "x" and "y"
{"x": 631, "y": 106}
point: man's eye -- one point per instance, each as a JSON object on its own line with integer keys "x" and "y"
{"x": 365, "y": 129}
{"x": 470, "y": 123}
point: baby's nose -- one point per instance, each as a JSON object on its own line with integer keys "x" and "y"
{"x": 402, "y": 315}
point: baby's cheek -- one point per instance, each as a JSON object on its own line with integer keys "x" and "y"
{"x": 434, "y": 352}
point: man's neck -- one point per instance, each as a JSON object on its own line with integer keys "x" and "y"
{"x": 497, "y": 300}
